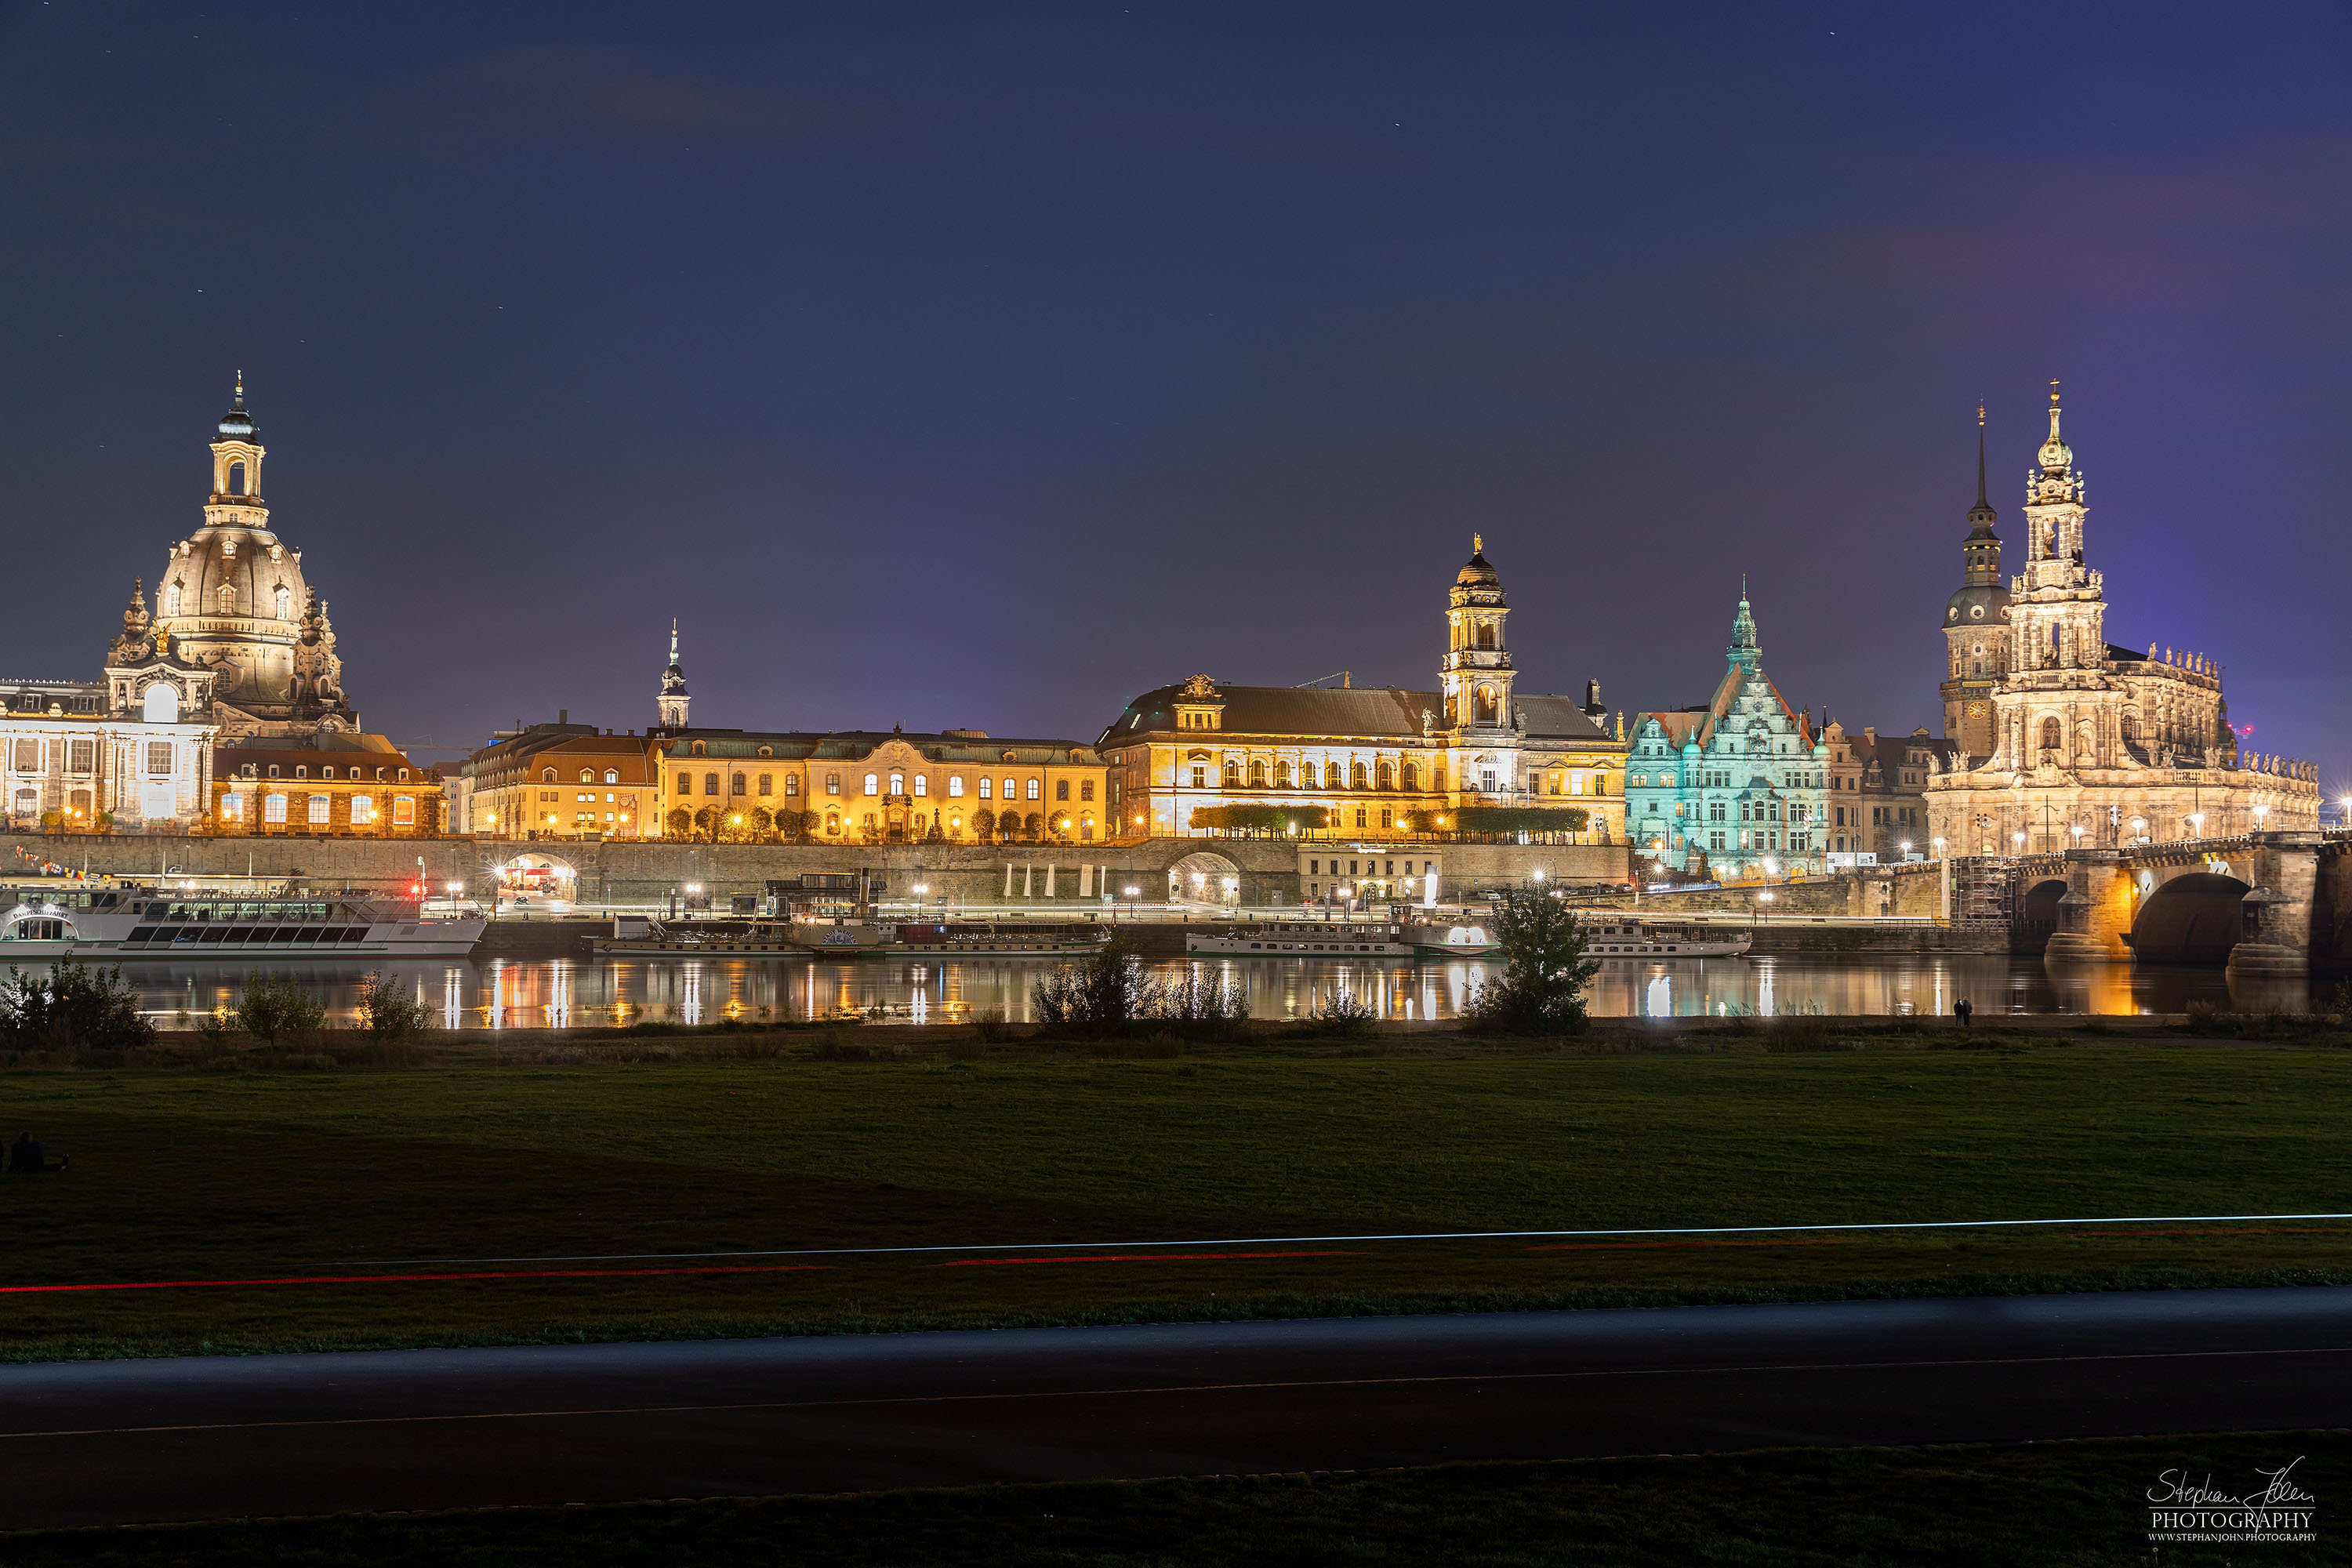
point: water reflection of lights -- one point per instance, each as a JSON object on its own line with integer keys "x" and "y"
{"x": 508, "y": 993}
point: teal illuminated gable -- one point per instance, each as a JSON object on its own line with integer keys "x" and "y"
{"x": 1740, "y": 784}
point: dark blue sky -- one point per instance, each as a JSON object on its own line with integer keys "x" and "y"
{"x": 981, "y": 366}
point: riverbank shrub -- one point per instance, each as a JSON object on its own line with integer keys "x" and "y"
{"x": 72, "y": 1006}
{"x": 1545, "y": 970}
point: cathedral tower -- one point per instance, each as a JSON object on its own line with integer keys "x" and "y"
{"x": 2057, "y": 614}
{"x": 1975, "y": 626}
{"x": 673, "y": 698}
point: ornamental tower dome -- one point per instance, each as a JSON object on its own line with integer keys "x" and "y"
{"x": 233, "y": 599}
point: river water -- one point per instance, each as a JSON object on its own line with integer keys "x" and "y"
{"x": 563, "y": 993}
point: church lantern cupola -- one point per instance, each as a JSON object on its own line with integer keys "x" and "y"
{"x": 236, "y": 454}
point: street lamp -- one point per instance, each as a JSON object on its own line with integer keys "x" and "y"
{"x": 1940, "y": 849}
{"x": 2260, "y": 812}
{"x": 2076, "y": 830}
{"x": 2197, "y": 825}
{"x": 2018, "y": 838}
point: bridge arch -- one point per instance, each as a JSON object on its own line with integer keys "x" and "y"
{"x": 2037, "y": 909}
{"x": 2196, "y": 917}
{"x": 1204, "y": 876}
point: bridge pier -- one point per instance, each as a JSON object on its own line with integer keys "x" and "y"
{"x": 2277, "y": 933}
{"x": 2095, "y": 917}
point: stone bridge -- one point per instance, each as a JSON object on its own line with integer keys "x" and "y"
{"x": 2262, "y": 903}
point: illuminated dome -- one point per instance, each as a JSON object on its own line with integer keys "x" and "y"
{"x": 1476, "y": 572}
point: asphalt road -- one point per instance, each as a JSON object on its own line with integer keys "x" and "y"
{"x": 119, "y": 1442}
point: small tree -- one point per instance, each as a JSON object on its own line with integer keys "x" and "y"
{"x": 679, "y": 822}
{"x": 1105, "y": 996}
{"x": 272, "y": 1007}
{"x": 1035, "y": 826}
{"x": 983, "y": 824}
{"x": 1544, "y": 969}
{"x": 387, "y": 1012}
{"x": 762, "y": 821}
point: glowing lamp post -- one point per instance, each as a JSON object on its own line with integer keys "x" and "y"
{"x": 2077, "y": 831}
{"x": 2260, "y": 812}
{"x": 2196, "y": 825}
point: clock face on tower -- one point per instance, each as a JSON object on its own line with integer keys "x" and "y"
{"x": 1977, "y": 709}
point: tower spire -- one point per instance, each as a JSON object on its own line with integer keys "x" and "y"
{"x": 1980, "y": 453}
{"x": 672, "y": 699}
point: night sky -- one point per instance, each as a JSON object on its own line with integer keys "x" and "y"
{"x": 982, "y": 367}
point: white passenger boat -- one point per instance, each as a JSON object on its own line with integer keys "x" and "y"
{"x": 125, "y": 920}
{"x": 1642, "y": 939}
{"x": 1304, "y": 939}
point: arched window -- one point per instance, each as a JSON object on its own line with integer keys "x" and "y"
{"x": 1281, "y": 774}
{"x": 284, "y": 603}
{"x": 171, "y": 600}
{"x": 767, "y": 783}
{"x": 1486, "y": 634}
{"x": 1233, "y": 773}
{"x": 236, "y": 479}
{"x": 955, "y": 786}
{"x": 1061, "y": 789}
{"x": 587, "y": 775}
{"x": 2052, "y": 734}
{"x": 1411, "y": 776}
{"x": 922, "y": 783}
{"x": 1257, "y": 774}
{"x": 986, "y": 783}
{"x": 226, "y": 595}
{"x": 612, "y": 776}
{"x": 898, "y": 784}
{"x": 1486, "y": 705}
{"x": 1032, "y": 789}
{"x": 547, "y": 775}
{"x": 161, "y": 705}
{"x": 1387, "y": 778}
{"x": 873, "y": 783}
{"x": 1356, "y": 775}
{"x": 710, "y": 783}
{"x": 792, "y": 784}
{"x": 1331, "y": 776}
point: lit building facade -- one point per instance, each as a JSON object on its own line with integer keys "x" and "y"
{"x": 1382, "y": 761}
{"x": 1738, "y": 786}
{"x": 1878, "y": 791}
{"x": 2088, "y": 743}
{"x": 339, "y": 786}
{"x": 561, "y": 780}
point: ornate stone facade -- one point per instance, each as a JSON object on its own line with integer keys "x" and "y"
{"x": 2085, "y": 743}
{"x": 1738, "y": 785}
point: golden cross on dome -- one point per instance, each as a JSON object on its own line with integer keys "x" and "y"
{"x": 2053, "y": 390}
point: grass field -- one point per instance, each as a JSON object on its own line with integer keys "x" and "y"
{"x": 554, "y": 1151}
{"x": 2043, "y": 1505}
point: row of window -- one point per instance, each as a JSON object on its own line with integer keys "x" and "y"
{"x": 317, "y": 808}
{"x": 737, "y": 783}
{"x": 301, "y": 770}
{"x": 225, "y": 600}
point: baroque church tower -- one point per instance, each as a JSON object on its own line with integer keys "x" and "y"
{"x": 1482, "y": 723}
{"x": 1975, "y": 626}
{"x": 673, "y": 699}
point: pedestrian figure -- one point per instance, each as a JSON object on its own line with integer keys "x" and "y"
{"x": 1962, "y": 1010}
{"x": 31, "y": 1158}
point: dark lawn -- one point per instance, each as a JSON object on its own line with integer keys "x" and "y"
{"x": 185, "y": 1176}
